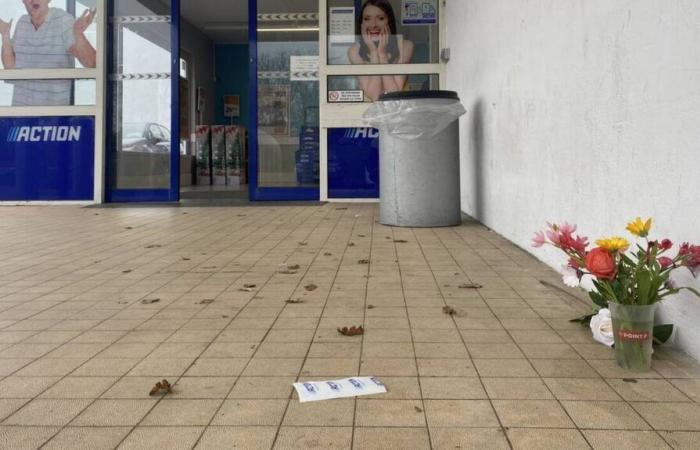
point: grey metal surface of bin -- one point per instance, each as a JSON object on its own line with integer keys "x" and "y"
{"x": 419, "y": 177}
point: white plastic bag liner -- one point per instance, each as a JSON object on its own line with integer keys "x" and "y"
{"x": 311, "y": 391}
{"x": 413, "y": 118}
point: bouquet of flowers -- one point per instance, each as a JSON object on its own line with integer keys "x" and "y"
{"x": 628, "y": 281}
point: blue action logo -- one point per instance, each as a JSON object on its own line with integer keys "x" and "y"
{"x": 357, "y": 133}
{"x": 44, "y": 134}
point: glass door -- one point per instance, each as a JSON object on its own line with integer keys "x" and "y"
{"x": 284, "y": 47}
{"x": 142, "y": 128}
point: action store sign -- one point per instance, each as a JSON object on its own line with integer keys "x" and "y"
{"x": 419, "y": 12}
{"x": 47, "y": 158}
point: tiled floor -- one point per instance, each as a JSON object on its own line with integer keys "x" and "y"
{"x": 96, "y": 305}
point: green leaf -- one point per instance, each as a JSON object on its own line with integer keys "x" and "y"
{"x": 662, "y": 333}
{"x": 598, "y": 299}
{"x": 584, "y": 320}
{"x": 643, "y": 286}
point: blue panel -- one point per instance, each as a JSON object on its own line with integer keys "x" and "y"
{"x": 47, "y": 158}
{"x": 353, "y": 163}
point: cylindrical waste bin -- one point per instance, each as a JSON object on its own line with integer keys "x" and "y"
{"x": 418, "y": 157}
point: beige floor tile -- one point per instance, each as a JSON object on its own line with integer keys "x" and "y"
{"x": 46, "y": 367}
{"x": 608, "y": 368}
{"x": 313, "y": 438}
{"x": 330, "y": 366}
{"x": 532, "y": 414}
{"x": 504, "y": 368}
{"x": 486, "y": 337}
{"x": 25, "y": 438}
{"x": 203, "y": 387}
{"x": 47, "y": 412}
{"x": 282, "y": 350}
{"x": 182, "y": 412}
{"x": 114, "y": 413}
{"x": 536, "y": 337}
{"x": 106, "y": 367}
{"x": 263, "y": 387}
{"x": 389, "y": 413}
{"x": 581, "y": 389}
{"x": 229, "y": 350}
{"x": 12, "y": 365}
{"x": 161, "y": 367}
{"x": 440, "y": 350}
{"x": 331, "y": 413}
{"x": 682, "y": 440}
{"x": 9, "y": 406}
{"x": 399, "y": 367}
{"x": 251, "y": 412}
{"x": 25, "y": 387}
{"x": 670, "y": 416}
{"x": 273, "y": 367}
{"x": 549, "y": 351}
{"x": 79, "y": 387}
{"x": 391, "y": 439}
{"x": 433, "y": 335}
{"x": 539, "y": 438}
{"x": 691, "y": 388}
{"x": 132, "y": 388}
{"x": 149, "y": 438}
{"x": 222, "y": 367}
{"x": 516, "y": 389}
{"x": 604, "y": 415}
{"x": 468, "y": 438}
{"x": 648, "y": 391}
{"x": 495, "y": 351}
{"x": 625, "y": 440}
{"x": 463, "y": 388}
{"x": 445, "y": 367}
{"x": 564, "y": 368}
{"x": 460, "y": 413}
{"x": 87, "y": 438}
{"x": 227, "y": 437}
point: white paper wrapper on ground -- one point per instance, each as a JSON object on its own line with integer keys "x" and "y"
{"x": 311, "y": 391}
{"x": 601, "y": 326}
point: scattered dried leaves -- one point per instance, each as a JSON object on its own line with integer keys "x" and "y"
{"x": 128, "y": 228}
{"x": 352, "y": 331}
{"x": 163, "y": 385}
{"x": 148, "y": 301}
{"x": 470, "y": 286}
{"x": 126, "y": 271}
{"x": 361, "y": 235}
{"x": 294, "y": 301}
{"x": 363, "y": 261}
{"x": 419, "y": 410}
{"x": 184, "y": 258}
{"x": 303, "y": 243}
{"x": 286, "y": 270}
{"x": 352, "y": 244}
{"x": 449, "y": 310}
{"x": 370, "y": 306}
{"x": 153, "y": 246}
{"x": 294, "y": 267}
{"x": 328, "y": 254}
{"x": 629, "y": 380}
{"x": 206, "y": 301}
{"x": 311, "y": 287}
{"x": 249, "y": 285}
{"x": 400, "y": 241}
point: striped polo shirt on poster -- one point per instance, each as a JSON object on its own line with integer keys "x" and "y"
{"x": 45, "y": 48}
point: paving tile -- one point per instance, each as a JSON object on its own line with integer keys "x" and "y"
{"x": 467, "y": 388}
{"x": 389, "y": 413}
{"x": 79, "y": 387}
{"x": 203, "y": 387}
{"x": 330, "y": 366}
{"x": 468, "y": 438}
{"x": 273, "y": 367}
{"x": 87, "y": 438}
{"x": 391, "y": 438}
{"x": 263, "y": 387}
{"x": 516, "y": 389}
{"x": 25, "y": 387}
{"x": 21, "y": 438}
{"x": 532, "y": 414}
{"x": 537, "y": 438}
{"x": 682, "y": 440}
{"x": 604, "y": 415}
{"x": 9, "y": 406}
{"x": 114, "y": 413}
{"x": 581, "y": 389}
{"x": 670, "y": 416}
{"x": 691, "y": 388}
{"x": 227, "y": 437}
{"x": 171, "y": 412}
{"x": 314, "y": 438}
{"x": 147, "y": 438}
{"x": 504, "y": 368}
{"x": 47, "y": 412}
{"x": 332, "y": 413}
{"x": 388, "y": 366}
{"x": 564, "y": 368}
{"x": 250, "y": 412}
{"x": 625, "y": 440}
{"x": 460, "y": 413}
{"x": 648, "y": 391}
{"x": 222, "y": 367}
{"x": 106, "y": 367}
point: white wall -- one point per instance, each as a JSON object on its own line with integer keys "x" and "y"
{"x": 582, "y": 110}
{"x": 197, "y": 44}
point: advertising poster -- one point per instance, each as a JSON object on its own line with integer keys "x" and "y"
{"x": 419, "y": 12}
{"x": 303, "y": 68}
{"x": 203, "y": 146}
{"x": 342, "y": 25}
{"x": 273, "y": 109}
{"x": 235, "y": 145}
{"x": 232, "y": 105}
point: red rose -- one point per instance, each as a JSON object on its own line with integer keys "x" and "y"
{"x": 601, "y": 264}
{"x": 665, "y": 244}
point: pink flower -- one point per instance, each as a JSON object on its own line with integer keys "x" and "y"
{"x": 539, "y": 240}
{"x": 665, "y": 244}
{"x": 665, "y": 261}
{"x": 554, "y": 237}
{"x": 691, "y": 257}
{"x": 567, "y": 228}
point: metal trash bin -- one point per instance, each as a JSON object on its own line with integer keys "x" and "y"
{"x": 418, "y": 157}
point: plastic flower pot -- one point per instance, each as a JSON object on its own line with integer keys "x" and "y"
{"x": 633, "y": 328}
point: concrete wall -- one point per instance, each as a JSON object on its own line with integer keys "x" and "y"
{"x": 582, "y": 110}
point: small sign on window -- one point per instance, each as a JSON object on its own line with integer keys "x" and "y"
{"x": 351, "y": 96}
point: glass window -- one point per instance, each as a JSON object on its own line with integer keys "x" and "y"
{"x": 46, "y": 34}
{"x": 383, "y": 32}
{"x": 47, "y": 92}
{"x": 367, "y": 88}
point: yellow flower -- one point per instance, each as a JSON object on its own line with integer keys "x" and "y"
{"x": 639, "y": 228}
{"x": 613, "y": 244}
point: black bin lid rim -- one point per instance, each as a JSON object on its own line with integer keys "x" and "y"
{"x": 413, "y": 95}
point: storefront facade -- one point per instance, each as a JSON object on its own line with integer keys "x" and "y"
{"x": 314, "y": 67}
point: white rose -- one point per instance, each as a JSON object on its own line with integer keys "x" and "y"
{"x": 570, "y": 276}
{"x": 602, "y": 328}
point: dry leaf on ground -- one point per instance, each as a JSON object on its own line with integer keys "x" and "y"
{"x": 185, "y": 258}
{"x": 352, "y": 244}
{"x": 470, "y": 286}
{"x": 246, "y": 289}
{"x": 303, "y": 243}
{"x": 352, "y": 331}
{"x": 294, "y": 301}
{"x": 163, "y": 385}
{"x": 153, "y": 246}
{"x": 310, "y": 287}
{"x": 449, "y": 310}
{"x": 294, "y": 267}
{"x": 370, "y": 306}
{"x": 148, "y": 301}
{"x": 400, "y": 241}
{"x": 328, "y": 254}
{"x": 206, "y": 301}
{"x": 126, "y": 271}
{"x": 250, "y": 285}
{"x": 363, "y": 261}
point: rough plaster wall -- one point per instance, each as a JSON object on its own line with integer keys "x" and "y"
{"x": 582, "y": 110}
